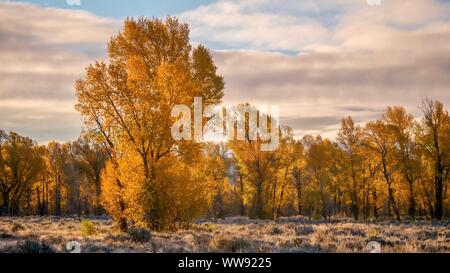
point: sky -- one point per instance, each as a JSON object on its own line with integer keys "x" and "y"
{"x": 319, "y": 60}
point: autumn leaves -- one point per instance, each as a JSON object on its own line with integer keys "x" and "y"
{"x": 127, "y": 104}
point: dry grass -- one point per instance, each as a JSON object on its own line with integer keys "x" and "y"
{"x": 238, "y": 234}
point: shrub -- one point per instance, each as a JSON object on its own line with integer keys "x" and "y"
{"x": 303, "y": 230}
{"x": 5, "y": 234}
{"x": 206, "y": 227}
{"x": 33, "y": 246}
{"x": 226, "y": 244}
{"x": 117, "y": 237}
{"x": 373, "y": 233}
{"x": 276, "y": 231}
{"x": 346, "y": 231}
{"x": 320, "y": 236}
{"x": 427, "y": 235}
{"x": 88, "y": 228}
{"x": 140, "y": 235}
{"x": 95, "y": 248}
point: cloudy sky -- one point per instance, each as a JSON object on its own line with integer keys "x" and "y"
{"x": 319, "y": 60}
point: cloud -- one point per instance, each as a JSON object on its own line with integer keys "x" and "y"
{"x": 53, "y": 25}
{"x": 318, "y": 60}
{"x": 352, "y": 58}
{"x": 249, "y": 24}
{"x": 323, "y": 85}
{"x": 364, "y": 66}
{"x": 291, "y": 25}
{"x": 42, "y": 53}
{"x": 43, "y": 120}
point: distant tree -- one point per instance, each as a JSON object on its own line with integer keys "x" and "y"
{"x": 287, "y": 156}
{"x": 20, "y": 164}
{"x": 299, "y": 172}
{"x": 433, "y": 135}
{"x": 318, "y": 163}
{"x": 381, "y": 141}
{"x": 56, "y": 160}
{"x": 401, "y": 125}
{"x": 255, "y": 165}
{"x": 215, "y": 175}
{"x": 350, "y": 138}
{"x": 90, "y": 158}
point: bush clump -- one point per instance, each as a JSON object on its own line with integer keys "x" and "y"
{"x": 233, "y": 244}
{"x": 17, "y": 227}
{"x": 303, "y": 230}
{"x": 276, "y": 231}
{"x": 33, "y": 246}
{"x": 5, "y": 234}
{"x": 139, "y": 235}
{"x": 88, "y": 228}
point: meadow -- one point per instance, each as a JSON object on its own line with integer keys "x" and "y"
{"x": 229, "y": 235}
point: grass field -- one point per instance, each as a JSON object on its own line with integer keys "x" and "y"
{"x": 237, "y": 234}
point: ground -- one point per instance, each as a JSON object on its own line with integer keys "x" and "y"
{"x": 237, "y": 234}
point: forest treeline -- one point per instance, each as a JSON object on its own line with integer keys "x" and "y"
{"x": 126, "y": 163}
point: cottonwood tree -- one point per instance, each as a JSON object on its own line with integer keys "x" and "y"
{"x": 433, "y": 135}
{"x": 20, "y": 164}
{"x": 286, "y": 164}
{"x": 254, "y": 164}
{"x": 318, "y": 164}
{"x": 215, "y": 174}
{"x": 56, "y": 158}
{"x": 401, "y": 126}
{"x": 128, "y": 101}
{"x": 380, "y": 139}
{"x": 90, "y": 158}
{"x": 298, "y": 172}
{"x": 350, "y": 137}
{"x": 393, "y": 169}
{"x": 256, "y": 167}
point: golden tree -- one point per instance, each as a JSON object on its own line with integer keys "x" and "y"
{"x": 20, "y": 164}
{"x": 128, "y": 102}
{"x": 433, "y": 136}
{"x": 380, "y": 139}
{"x": 401, "y": 126}
{"x": 89, "y": 158}
{"x": 318, "y": 159}
{"x": 350, "y": 137}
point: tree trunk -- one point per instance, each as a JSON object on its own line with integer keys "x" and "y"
{"x": 355, "y": 205}
{"x": 392, "y": 203}
{"x": 299, "y": 198}
{"x": 122, "y": 221}
{"x": 5, "y": 206}
{"x": 298, "y": 186}
{"x": 375, "y": 201}
{"x": 438, "y": 199}
{"x": 58, "y": 195}
{"x": 242, "y": 195}
{"x": 274, "y": 199}
{"x": 259, "y": 212}
{"x": 354, "y": 195}
{"x": 412, "y": 202}
{"x": 39, "y": 203}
